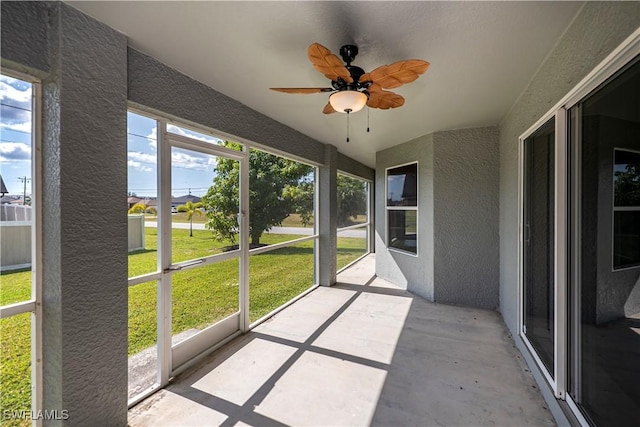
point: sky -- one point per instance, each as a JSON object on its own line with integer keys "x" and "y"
{"x": 15, "y": 134}
{"x": 191, "y": 171}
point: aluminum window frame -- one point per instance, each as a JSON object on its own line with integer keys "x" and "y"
{"x": 165, "y": 267}
{"x": 388, "y": 208}
{"x": 559, "y": 245}
{"x": 34, "y": 304}
{"x": 366, "y": 225}
{"x": 315, "y": 237}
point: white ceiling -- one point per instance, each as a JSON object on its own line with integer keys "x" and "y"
{"x": 482, "y": 56}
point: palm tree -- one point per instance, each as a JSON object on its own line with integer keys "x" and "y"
{"x": 191, "y": 209}
{"x": 142, "y": 208}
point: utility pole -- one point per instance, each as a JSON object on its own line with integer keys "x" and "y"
{"x": 24, "y": 180}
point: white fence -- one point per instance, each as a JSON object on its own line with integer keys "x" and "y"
{"x": 15, "y": 237}
{"x": 15, "y": 212}
{"x": 15, "y": 245}
{"x": 136, "y": 232}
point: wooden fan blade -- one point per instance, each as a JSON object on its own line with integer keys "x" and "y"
{"x": 396, "y": 74}
{"x": 327, "y": 63}
{"x": 373, "y": 87}
{"x": 302, "y": 89}
{"x": 385, "y": 100}
{"x": 328, "y": 109}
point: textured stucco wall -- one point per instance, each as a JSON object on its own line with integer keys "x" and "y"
{"x": 85, "y": 249}
{"x": 88, "y": 73}
{"x": 414, "y": 273}
{"x": 354, "y": 167}
{"x": 24, "y": 35}
{"x": 598, "y": 29}
{"x": 458, "y": 251}
{"x": 156, "y": 86}
{"x": 163, "y": 89}
{"x": 466, "y": 179}
{"x": 328, "y": 220}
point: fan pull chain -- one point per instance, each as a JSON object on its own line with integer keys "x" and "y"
{"x": 348, "y": 114}
{"x": 368, "y": 119}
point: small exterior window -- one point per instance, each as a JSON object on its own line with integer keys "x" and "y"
{"x": 626, "y": 209}
{"x": 402, "y": 208}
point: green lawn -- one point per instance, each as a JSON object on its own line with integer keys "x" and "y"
{"x": 201, "y": 296}
{"x": 292, "y": 220}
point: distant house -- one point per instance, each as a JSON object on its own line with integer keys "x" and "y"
{"x": 147, "y": 201}
{"x": 153, "y": 201}
{"x": 150, "y": 201}
{"x": 3, "y": 188}
{"x": 14, "y": 200}
{"x": 177, "y": 201}
{"x": 132, "y": 200}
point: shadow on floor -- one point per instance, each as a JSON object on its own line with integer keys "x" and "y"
{"x": 361, "y": 353}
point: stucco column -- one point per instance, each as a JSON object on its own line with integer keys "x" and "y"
{"x": 328, "y": 220}
{"x": 84, "y": 157}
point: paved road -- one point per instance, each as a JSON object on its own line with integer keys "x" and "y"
{"x": 274, "y": 230}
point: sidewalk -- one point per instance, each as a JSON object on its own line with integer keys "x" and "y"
{"x": 303, "y": 231}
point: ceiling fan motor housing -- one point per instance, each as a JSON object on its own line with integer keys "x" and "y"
{"x": 348, "y": 53}
{"x": 356, "y": 73}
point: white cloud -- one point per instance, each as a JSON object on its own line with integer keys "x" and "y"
{"x": 15, "y": 152}
{"x": 191, "y": 134}
{"x": 7, "y": 91}
{"x": 153, "y": 139}
{"x": 24, "y": 127}
{"x": 139, "y": 157}
{"x": 139, "y": 166}
{"x": 181, "y": 159}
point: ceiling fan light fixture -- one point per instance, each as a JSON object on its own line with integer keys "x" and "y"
{"x": 348, "y": 101}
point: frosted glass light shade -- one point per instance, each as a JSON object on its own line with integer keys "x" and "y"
{"x": 348, "y": 101}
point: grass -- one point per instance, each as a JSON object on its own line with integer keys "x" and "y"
{"x": 15, "y": 366}
{"x": 201, "y": 296}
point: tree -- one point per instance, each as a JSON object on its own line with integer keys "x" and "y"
{"x": 352, "y": 199}
{"x": 269, "y": 176}
{"x": 140, "y": 208}
{"x": 627, "y": 185}
{"x": 301, "y": 199}
{"x": 191, "y": 209}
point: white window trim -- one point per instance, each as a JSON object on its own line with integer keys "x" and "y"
{"x": 388, "y": 208}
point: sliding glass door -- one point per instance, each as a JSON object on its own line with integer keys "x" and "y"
{"x": 538, "y": 250}
{"x": 605, "y": 287}
{"x": 579, "y": 313}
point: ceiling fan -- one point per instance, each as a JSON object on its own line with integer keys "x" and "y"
{"x": 351, "y": 88}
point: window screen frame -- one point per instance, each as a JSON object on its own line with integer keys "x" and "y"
{"x": 403, "y": 208}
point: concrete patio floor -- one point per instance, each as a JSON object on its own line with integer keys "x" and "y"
{"x": 361, "y": 353}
